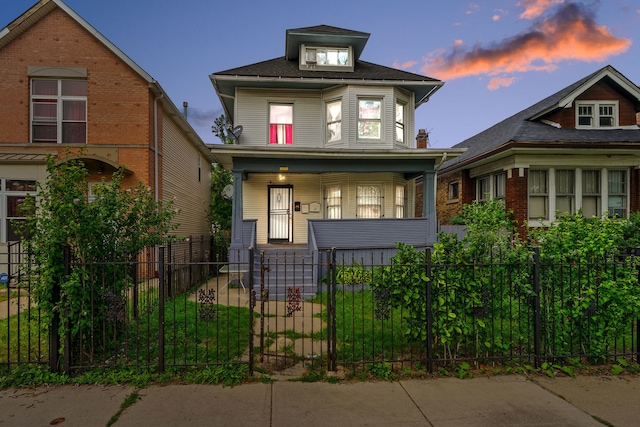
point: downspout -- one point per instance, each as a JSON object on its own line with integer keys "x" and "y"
{"x": 155, "y": 144}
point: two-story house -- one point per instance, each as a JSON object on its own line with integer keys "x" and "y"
{"x": 576, "y": 150}
{"x": 63, "y": 85}
{"x": 326, "y": 156}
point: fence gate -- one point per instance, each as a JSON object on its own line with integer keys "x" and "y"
{"x": 297, "y": 315}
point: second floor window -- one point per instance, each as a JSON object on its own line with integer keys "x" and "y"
{"x": 369, "y": 118}
{"x": 280, "y": 124}
{"x": 596, "y": 114}
{"x": 59, "y": 111}
{"x": 334, "y": 121}
{"x": 399, "y": 123}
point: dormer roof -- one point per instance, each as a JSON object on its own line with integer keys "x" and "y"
{"x": 324, "y": 35}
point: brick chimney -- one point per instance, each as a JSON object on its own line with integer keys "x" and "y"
{"x": 422, "y": 140}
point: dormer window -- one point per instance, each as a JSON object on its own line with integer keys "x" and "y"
{"x": 326, "y": 58}
{"x": 596, "y": 114}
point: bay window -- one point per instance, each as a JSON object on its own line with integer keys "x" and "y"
{"x": 59, "y": 111}
{"x": 369, "y": 118}
{"x": 333, "y": 202}
{"x": 399, "y": 122}
{"x": 617, "y": 186}
{"x": 281, "y": 124}
{"x": 369, "y": 201}
{"x": 565, "y": 191}
{"x": 538, "y": 194}
{"x": 591, "y": 201}
{"x": 400, "y": 201}
{"x": 334, "y": 121}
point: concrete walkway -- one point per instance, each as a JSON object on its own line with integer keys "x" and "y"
{"x": 487, "y": 401}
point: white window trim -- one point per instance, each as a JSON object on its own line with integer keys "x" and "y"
{"x": 382, "y": 196}
{"x": 403, "y": 123}
{"x": 604, "y": 192}
{"x": 381, "y": 120}
{"x": 326, "y": 198}
{"x": 310, "y": 64}
{"x": 4, "y": 205}
{"x": 450, "y": 197}
{"x": 327, "y": 122}
{"x": 596, "y": 113}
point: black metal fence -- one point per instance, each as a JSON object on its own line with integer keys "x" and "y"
{"x": 174, "y": 307}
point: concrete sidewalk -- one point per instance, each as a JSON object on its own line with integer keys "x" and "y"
{"x": 485, "y": 401}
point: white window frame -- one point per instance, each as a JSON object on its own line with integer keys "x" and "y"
{"x": 5, "y": 193}
{"x": 333, "y": 203}
{"x": 362, "y": 136}
{"x": 542, "y": 193}
{"x": 400, "y": 198}
{"x": 60, "y": 100}
{"x": 602, "y": 195}
{"x": 319, "y": 58}
{"x": 568, "y": 194}
{"x": 280, "y": 121}
{"x": 401, "y": 121}
{"x": 334, "y": 122}
{"x": 596, "y": 116}
{"x": 379, "y": 204}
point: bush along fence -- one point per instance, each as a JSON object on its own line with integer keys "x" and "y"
{"x": 424, "y": 309}
{"x": 112, "y": 314}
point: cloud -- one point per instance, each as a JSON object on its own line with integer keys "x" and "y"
{"x": 404, "y": 65}
{"x": 535, "y": 8}
{"x": 473, "y": 8}
{"x": 498, "y": 82}
{"x": 457, "y": 42}
{"x": 496, "y": 17}
{"x": 569, "y": 34}
{"x": 498, "y": 14}
{"x": 200, "y": 118}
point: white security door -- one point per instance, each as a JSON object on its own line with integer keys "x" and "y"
{"x": 280, "y": 209}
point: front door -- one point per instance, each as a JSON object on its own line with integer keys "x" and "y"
{"x": 280, "y": 213}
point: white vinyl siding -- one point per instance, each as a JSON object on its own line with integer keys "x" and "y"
{"x": 309, "y": 116}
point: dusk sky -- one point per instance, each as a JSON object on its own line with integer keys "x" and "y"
{"x": 496, "y": 57}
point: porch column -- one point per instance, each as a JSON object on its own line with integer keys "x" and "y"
{"x": 236, "y": 211}
{"x": 429, "y": 203}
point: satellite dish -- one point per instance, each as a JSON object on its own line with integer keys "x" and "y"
{"x": 227, "y": 191}
{"x": 236, "y": 132}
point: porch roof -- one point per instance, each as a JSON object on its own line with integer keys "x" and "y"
{"x": 315, "y": 160}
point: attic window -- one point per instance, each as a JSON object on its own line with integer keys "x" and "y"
{"x": 596, "y": 114}
{"x": 326, "y": 58}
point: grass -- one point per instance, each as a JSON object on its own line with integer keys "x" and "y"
{"x": 364, "y": 331}
{"x": 23, "y": 338}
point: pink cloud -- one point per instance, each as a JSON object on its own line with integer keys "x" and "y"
{"x": 535, "y": 8}
{"x": 457, "y": 42}
{"x": 498, "y": 82}
{"x": 496, "y": 17}
{"x": 570, "y": 34}
{"x": 404, "y": 65}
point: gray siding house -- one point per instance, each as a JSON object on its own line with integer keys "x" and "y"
{"x": 327, "y": 154}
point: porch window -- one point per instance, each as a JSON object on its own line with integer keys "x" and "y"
{"x": 482, "y": 189}
{"x": 369, "y": 118}
{"x": 401, "y": 201}
{"x": 400, "y": 123}
{"x": 333, "y": 202}
{"x": 538, "y": 194}
{"x": 565, "y": 191}
{"x": 499, "y": 185}
{"x": 334, "y": 121}
{"x": 281, "y": 124}
{"x": 617, "y": 193}
{"x": 591, "y": 201}
{"x": 369, "y": 201}
{"x": 59, "y": 111}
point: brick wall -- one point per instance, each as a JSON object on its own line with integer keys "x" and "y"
{"x": 119, "y": 103}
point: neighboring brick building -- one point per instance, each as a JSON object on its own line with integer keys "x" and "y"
{"x": 577, "y": 150}
{"x": 65, "y": 86}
